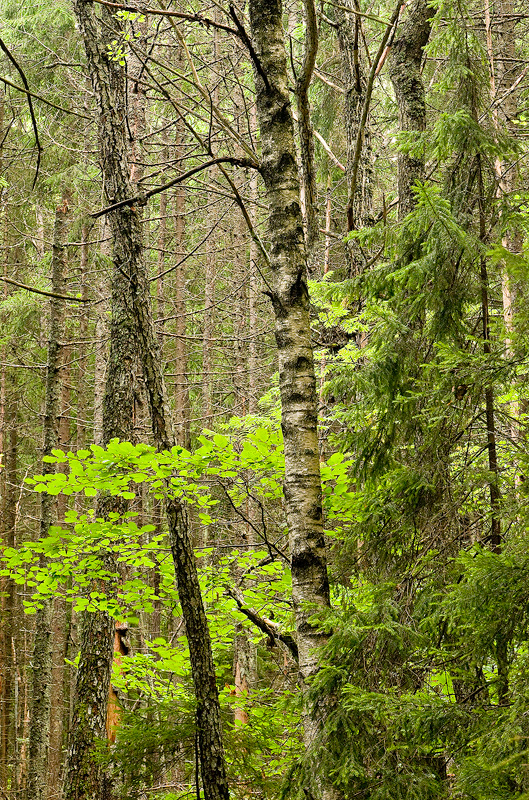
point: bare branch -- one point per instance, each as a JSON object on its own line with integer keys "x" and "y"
{"x": 205, "y": 21}
{"x": 365, "y": 110}
{"x": 248, "y": 42}
{"x": 311, "y": 47}
{"x": 264, "y": 625}
{"x": 141, "y": 199}
{"x": 43, "y": 99}
{"x": 30, "y": 105}
{"x": 43, "y": 292}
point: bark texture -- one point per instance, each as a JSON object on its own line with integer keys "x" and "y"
{"x": 299, "y": 399}
{"x": 505, "y": 73}
{"x": 85, "y": 780}
{"x": 290, "y": 299}
{"x": 405, "y": 73}
{"x": 132, "y": 322}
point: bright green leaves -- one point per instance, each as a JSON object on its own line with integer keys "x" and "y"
{"x": 75, "y": 554}
{"x": 76, "y": 561}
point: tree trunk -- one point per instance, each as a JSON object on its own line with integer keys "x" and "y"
{"x": 252, "y": 303}
{"x": 85, "y": 779}
{"x": 39, "y": 728}
{"x": 306, "y": 133}
{"x": 360, "y": 210}
{"x": 207, "y": 329}
{"x": 504, "y": 77}
{"x": 9, "y": 607}
{"x": 405, "y": 73}
{"x": 101, "y": 335}
{"x": 132, "y": 324}
{"x": 182, "y": 409}
{"x": 290, "y": 300}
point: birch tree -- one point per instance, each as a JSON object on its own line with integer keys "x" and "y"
{"x": 290, "y": 301}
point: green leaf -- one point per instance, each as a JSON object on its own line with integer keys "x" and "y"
{"x": 262, "y": 434}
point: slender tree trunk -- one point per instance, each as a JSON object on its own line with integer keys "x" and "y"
{"x": 6, "y": 584}
{"x": 132, "y": 318}
{"x": 101, "y": 335}
{"x": 494, "y": 538}
{"x": 306, "y": 133}
{"x": 252, "y": 304}
{"x": 8, "y": 597}
{"x": 182, "y": 410}
{"x": 240, "y": 318}
{"x": 504, "y": 77}
{"x": 360, "y": 204}
{"x": 8, "y": 518}
{"x": 82, "y": 352}
{"x": 207, "y": 330}
{"x": 85, "y": 779}
{"x": 39, "y": 728}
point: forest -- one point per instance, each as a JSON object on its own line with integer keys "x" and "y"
{"x": 264, "y": 401}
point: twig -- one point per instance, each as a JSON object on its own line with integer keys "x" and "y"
{"x": 311, "y": 47}
{"x": 271, "y": 546}
{"x": 323, "y": 143}
{"x": 264, "y": 626}
{"x": 365, "y": 111}
{"x": 357, "y": 13}
{"x": 206, "y": 21}
{"x": 236, "y": 193}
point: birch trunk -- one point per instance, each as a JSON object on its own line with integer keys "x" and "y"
{"x": 290, "y": 300}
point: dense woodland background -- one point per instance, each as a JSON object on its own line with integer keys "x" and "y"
{"x": 389, "y": 661}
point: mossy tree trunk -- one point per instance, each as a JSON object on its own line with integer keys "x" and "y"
{"x": 405, "y": 62}
{"x": 132, "y": 335}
